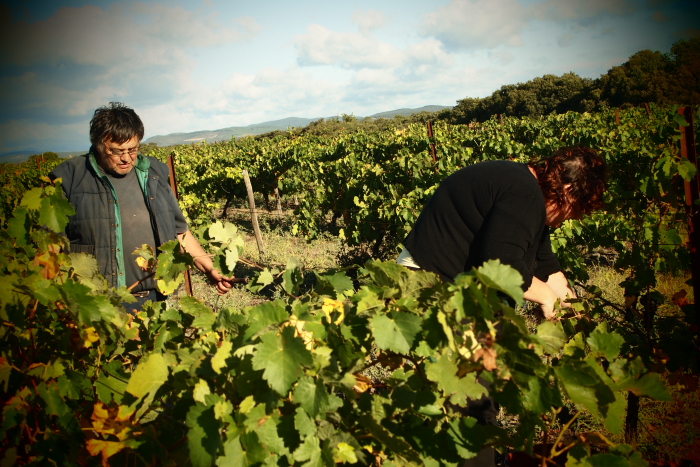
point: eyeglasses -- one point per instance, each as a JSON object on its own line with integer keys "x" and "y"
{"x": 120, "y": 152}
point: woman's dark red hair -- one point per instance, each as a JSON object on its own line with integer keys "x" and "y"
{"x": 578, "y": 166}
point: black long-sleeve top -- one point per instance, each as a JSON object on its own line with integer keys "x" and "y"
{"x": 490, "y": 210}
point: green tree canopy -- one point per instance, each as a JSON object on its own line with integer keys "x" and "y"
{"x": 647, "y": 77}
{"x": 537, "y": 97}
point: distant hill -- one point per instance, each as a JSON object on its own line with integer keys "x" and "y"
{"x": 407, "y": 112}
{"x": 225, "y": 134}
{"x": 16, "y": 157}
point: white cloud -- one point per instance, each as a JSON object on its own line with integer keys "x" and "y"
{"x": 471, "y": 24}
{"x": 244, "y": 99}
{"x": 369, "y": 20}
{"x": 320, "y": 46}
{"x": 81, "y": 58}
{"x": 119, "y": 36}
{"x": 278, "y": 92}
{"x": 476, "y": 24}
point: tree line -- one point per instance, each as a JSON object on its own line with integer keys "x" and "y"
{"x": 647, "y": 77}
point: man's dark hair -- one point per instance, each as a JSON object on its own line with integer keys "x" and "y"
{"x": 114, "y": 122}
{"x": 578, "y": 166}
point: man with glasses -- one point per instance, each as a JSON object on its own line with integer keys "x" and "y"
{"x": 123, "y": 200}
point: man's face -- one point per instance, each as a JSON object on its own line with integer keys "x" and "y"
{"x": 118, "y": 159}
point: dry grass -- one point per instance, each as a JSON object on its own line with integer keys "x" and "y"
{"x": 279, "y": 246}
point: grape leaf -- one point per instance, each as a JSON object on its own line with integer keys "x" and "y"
{"x": 501, "y": 277}
{"x": 367, "y": 299}
{"x": 225, "y": 234}
{"x": 44, "y": 290}
{"x": 218, "y": 361}
{"x": 303, "y": 423}
{"x": 201, "y": 391}
{"x": 310, "y": 451}
{"x": 5, "y": 370}
{"x": 54, "y": 213}
{"x": 204, "y": 321}
{"x": 194, "y": 307}
{"x": 172, "y": 263}
{"x": 343, "y": 453}
{"x": 648, "y": 385}
{"x": 267, "y": 430}
{"x": 605, "y": 343}
{"x": 313, "y": 397}
{"x": 337, "y": 284}
{"x": 395, "y": 331}
{"x": 168, "y": 331}
{"x": 260, "y": 281}
{"x": 79, "y": 300}
{"x": 109, "y": 388}
{"x": 394, "y": 443}
{"x": 149, "y": 375}
{"x": 19, "y": 226}
{"x": 203, "y": 437}
{"x": 615, "y": 414}
{"x": 687, "y": 169}
{"x": 444, "y": 373}
{"x": 292, "y": 277}
{"x": 234, "y": 456}
{"x": 32, "y": 199}
{"x": 87, "y": 270}
{"x": 262, "y": 316}
{"x": 680, "y": 120}
{"x": 468, "y": 436}
{"x": 551, "y": 336}
{"x": 231, "y": 260}
{"x": 281, "y": 357}
{"x": 584, "y": 386}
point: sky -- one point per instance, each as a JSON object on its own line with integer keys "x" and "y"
{"x": 189, "y": 65}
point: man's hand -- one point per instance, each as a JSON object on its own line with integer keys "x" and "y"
{"x": 204, "y": 263}
{"x": 223, "y": 284}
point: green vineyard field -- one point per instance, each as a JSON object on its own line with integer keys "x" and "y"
{"x": 285, "y": 382}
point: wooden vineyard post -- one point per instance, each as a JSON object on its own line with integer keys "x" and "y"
{"x": 279, "y": 203}
{"x": 646, "y": 106}
{"x": 692, "y": 195}
{"x": 173, "y": 186}
{"x": 253, "y": 213}
{"x": 617, "y": 116}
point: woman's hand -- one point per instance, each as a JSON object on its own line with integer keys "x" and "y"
{"x": 560, "y": 286}
{"x": 540, "y": 292}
